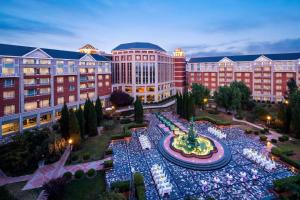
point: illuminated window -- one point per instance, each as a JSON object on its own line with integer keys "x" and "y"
{"x": 44, "y": 103}
{"x": 44, "y": 91}
{"x": 30, "y": 122}
{"x": 60, "y": 100}
{"x": 44, "y": 81}
{"x": 71, "y": 79}
{"x": 8, "y": 66}
{"x": 91, "y": 70}
{"x": 106, "y": 83}
{"x": 60, "y": 89}
{"x": 44, "y": 71}
{"x": 100, "y": 84}
{"x": 278, "y": 75}
{"x": 45, "y": 118}
{"x": 10, "y": 109}
{"x": 71, "y": 98}
{"x": 30, "y": 92}
{"x": 28, "y": 61}
{"x": 106, "y": 77}
{"x": 100, "y": 77}
{"x": 83, "y": 96}
{"x": 128, "y": 89}
{"x": 59, "y": 79}
{"x": 45, "y": 62}
{"x": 8, "y": 94}
{"x": 28, "y": 71}
{"x": 91, "y": 95}
{"x": 71, "y": 88}
{"x": 30, "y": 106}
{"x": 140, "y": 89}
{"x": 10, "y": 127}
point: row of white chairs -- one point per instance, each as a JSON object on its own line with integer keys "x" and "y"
{"x": 260, "y": 159}
{"x": 161, "y": 180}
{"x": 216, "y": 132}
{"x": 145, "y": 142}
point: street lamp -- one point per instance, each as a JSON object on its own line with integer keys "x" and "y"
{"x": 269, "y": 119}
{"x": 205, "y": 100}
{"x": 70, "y": 141}
{"x": 286, "y": 102}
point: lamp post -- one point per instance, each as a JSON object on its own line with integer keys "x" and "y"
{"x": 286, "y": 102}
{"x": 269, "y": 119}
{"x": 205, "y": 100}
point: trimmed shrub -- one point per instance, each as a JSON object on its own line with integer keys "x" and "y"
{"x": 108, "y": 163}
{"x": 75, "y": 158}
{"x": 248, "y": 131}
{"x": 283, "y": 138}
{"x": 79, "y": 174}
{"x": 256, "y": 132}
{"x": 91, "y": 172}
{"x": 121, "y": 186}
{"x": 125, "y": 121}
{"x": 213, "y": 120}
{"x": 263, "y": 138}
{"x": 141, "y": 192}
{"x": 68, "y": 175}
{"x": 274, "y": 141}
{"x": 108, "y": 151}
{"x": 86, "y": 156}
{"x": 139, "y": 186}
{"x": 284, "y": 156}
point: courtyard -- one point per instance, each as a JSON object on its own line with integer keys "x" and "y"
{"x": 129, "y": 157}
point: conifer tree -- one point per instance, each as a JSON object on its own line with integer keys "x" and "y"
{"x": 74, "y": 129}
{"x": 98, "y": 108}
{"x": 138, "y": 111}
{"x": 64, "y": 122}
{"x": 81, "y": 121}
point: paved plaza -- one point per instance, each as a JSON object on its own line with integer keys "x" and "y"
{"x": 130, "y": 157}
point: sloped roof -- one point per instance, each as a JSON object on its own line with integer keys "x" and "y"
{"x": 281, "y": 56}
{"x": 16, "y": 50}
{"x": 88, "y": 46}
{"x": 138, "y": 45}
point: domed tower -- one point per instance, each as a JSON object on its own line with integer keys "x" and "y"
{"x": 89, "y": 49}
{"x": 179, "y": 70}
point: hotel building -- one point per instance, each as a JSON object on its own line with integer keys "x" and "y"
{"x": 35, "y": 82}
{"x": 144, "y": 71}
{"x": 266, "y": 75}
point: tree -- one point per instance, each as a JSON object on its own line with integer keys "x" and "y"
{"x": 200, "y": 93}
{"x": 81, "y": 121}
{"x": 64, "y": 122}
{"x": 119, "y": 99}
{"x": 235, "y": 98}
{"x": 92, "y": 121}
{"x": 295, "y": 104}
{"x": 138, "y": 111}
{"x": 222, "y": 97}
{"x": 99, "y": 113}
{"x": 292, "y": 86}
{"x": 74, "y": 129}
{"x": 55, "y": 188}
{"x": 245, "y": 92}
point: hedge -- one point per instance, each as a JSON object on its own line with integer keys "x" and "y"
{"x": 281, "y": 183}
{"x": 283, "y": 155}
{"x": 263, "y": 138}
{"x": 213, "y": 120}
{"x": 68, "y": 175}
{"x": 108, "y": 163}
{"x": 90, "y": 172}
{"x": 79, "y": 174}
{"x": 109, "y": 151}
{"x": 126, "y": 130}
{"x": 121, "y": 186}
{"x": 139, "y": 186}
{"x": 283, "y": 138}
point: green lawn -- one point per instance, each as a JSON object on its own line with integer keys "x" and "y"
{"x": 96, "y": 146}
{"x": 15, "y": 189}
{"x": 85, "y": 189}
{"x": 291, "y": 145}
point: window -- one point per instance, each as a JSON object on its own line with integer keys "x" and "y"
{"x": 9, "y": 94}
{"x": 44, "y": 90}
{"x": 91, "y": 95}
{"x": 45, "y": 62}
{"x": 60, "y": 100}
{"x": 83, "y": 70}
{"x": 106, "y": 77}
{"x": 60, "y": 63}
{"x": 28, "y": 61}
{"x": 82, "y": 96}
{"x": 44, "y": 81}
{"x": 10, "y": 127}
{"x": 91, "y": 70}
{"x": 71, "y": 79}
{"x": 30, "y": 106}
{"x": 60, "y": 79}
{"x": 100, "y": 77}
{"x": 106, "y": 83}
{"x": 29, "y": 81}
{"x": 71, "y": 98}
{"x": 100, "y": 84}
{"x": 8, "y": 110}
{"x": 91, "y": 85}
{"x": 44, "y": 103}
{"x": 278, "y": 75}
{"x": 60, "y": 89}
{"x": 71, "y": 88}
{"x": 8, "y": 66}
{"x": 138, "y": 57}
{"x": 28, "y": 71}
{"x": 30, "y": 93}
{"x": 9, "y": 83}
{"x": 44, "y": 71}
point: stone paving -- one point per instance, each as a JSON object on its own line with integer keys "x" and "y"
{"x": 130, "y": 157}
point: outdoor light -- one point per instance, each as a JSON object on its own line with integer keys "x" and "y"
{"x": 70, "y": 141}
{"x": 286, "y": 102}
{"x": 269, "y": 119}
{"x": 205, "y": 100}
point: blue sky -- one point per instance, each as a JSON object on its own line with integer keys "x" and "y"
{"x": 200, "y": 27}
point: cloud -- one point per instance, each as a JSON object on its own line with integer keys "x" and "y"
{"x": 13, "y": 24}
{"x": 281, "y": 46}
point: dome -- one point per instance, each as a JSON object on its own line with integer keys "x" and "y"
{"x": 138, "y": 45}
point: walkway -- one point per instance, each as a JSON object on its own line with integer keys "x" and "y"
{"x": 148, "y": 106}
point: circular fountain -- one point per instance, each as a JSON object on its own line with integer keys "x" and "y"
{"x": 190, "y": 150}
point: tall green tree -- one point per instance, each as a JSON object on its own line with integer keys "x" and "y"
{"x": 191, "y": 106}
{"x": 292, "y": 86}
{"x": 295, "y": 104}
{"x": 81, "y": 121}
{"x": 138, "y": 111}
{"x": 235, "y": 98}
{"x": 64, "y": 121}
{"x": 245, "y": 92}
{"x": 74, "y": 129}
{"x": 98, "y": 108}
{"x": 223, "y": 97}
{"x": 200, "y": 92}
